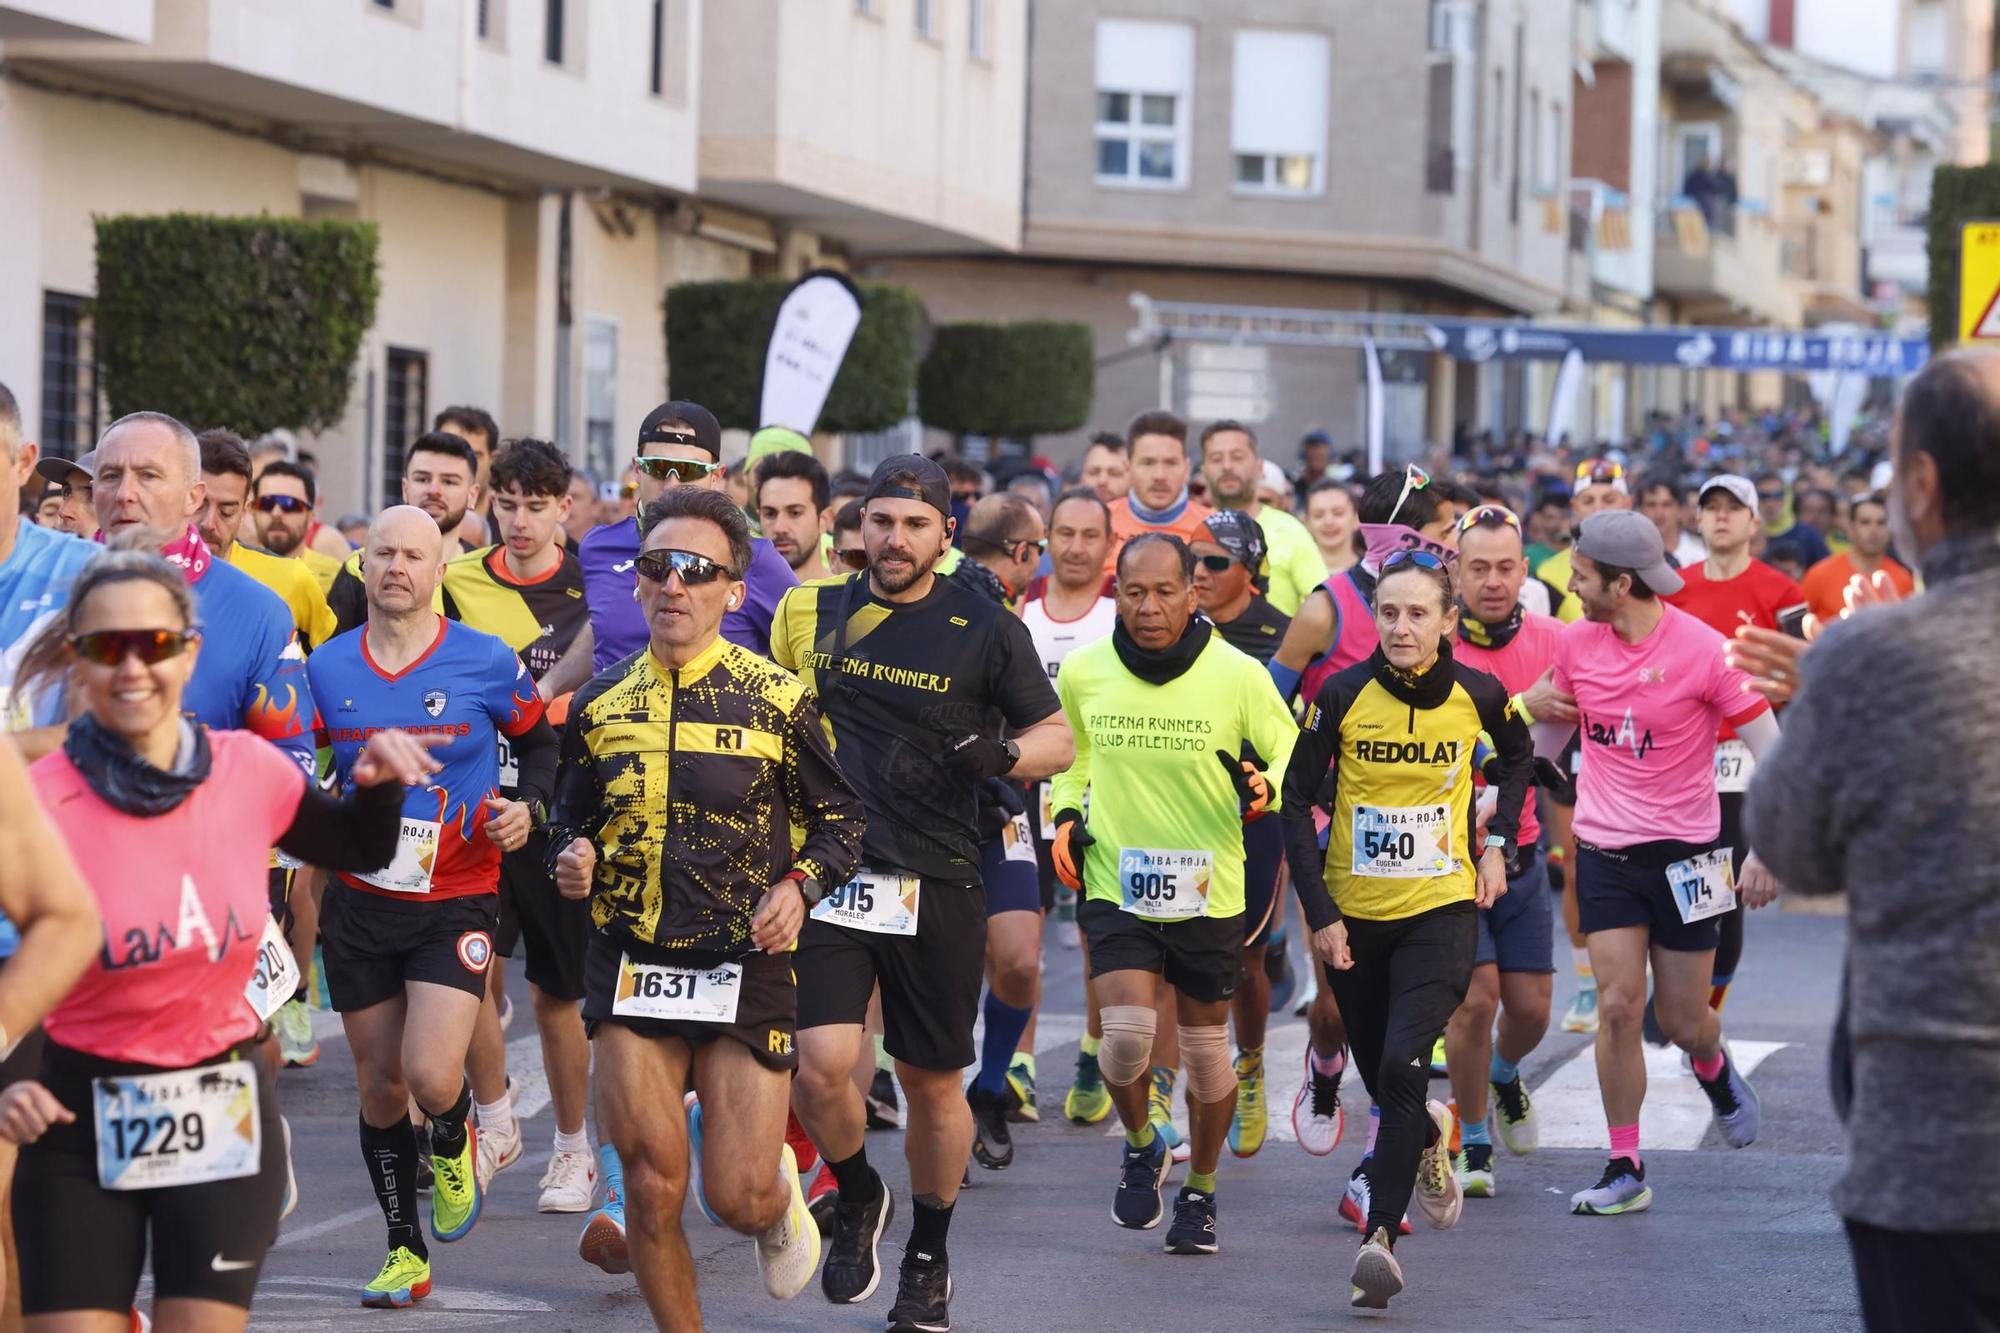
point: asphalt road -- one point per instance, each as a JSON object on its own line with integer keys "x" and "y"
{"x": 1735, "y": 1239}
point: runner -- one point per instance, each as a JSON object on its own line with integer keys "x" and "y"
{"x": 481, "y": 433}
{"x": 37, "y": 567}
{"x": 1662, "y": 500}
{"x": 1600, "y": 486}
{"x": 407, "y": 947}
{"x": 527, "y": 591}
{"x": 1652, "y": 873}
{"x": 1173, "y": 728}
{"x": 1228, "y": 593}
{"x": 282, "y": 499}
{"x": 225, "y": 476}
{"x": 1063, "y": 613}
{"x": 1158, "y": 499}
{"x": 697, "y": 899}
{"x": 171, "y": 824}
{"x": 908, "y": 668}
{"x": 73, "y": 476}
{"x": 1107, "y": 466}
{"x": 438, "y": 478}
{"x": 1825, "y": 584}
{"x": 1392, "y": 901}
{"x": 795, "y": 510}
{"x": 1334, "y": 522}
{"x": 1727, "y": 590}
{"x": 1230, "y": 465}
{"x": 1513, "y": 964}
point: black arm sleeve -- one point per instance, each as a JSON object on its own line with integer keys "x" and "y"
{"x": 1511, "y": 743}
{"x": 1309, "y": 779}
{"x": 821, "y": 799}
{"x": 349, "y": 600}
{"x": 536, "y": 750}
{"x": 577, "y": 808}
{"x": 357, "y": 834}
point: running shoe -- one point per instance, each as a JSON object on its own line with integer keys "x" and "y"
{"x": 1475, "y": 1170}
{"x": 1141, "y": 1174}
{"x": 821, "y": 1198}
{"x": 425, "y": 1173}
{"x": 1193, "y": 1229}
{"x": 1088, "y": 1101}
{"x": 1582, "y": 1013}
{"x": 1437, "y": 1058}
{"x": 1317, "y": 1118}
{"x": 291, "y": 1202}
{"x": 141, "y": 1321}
{"x": 1621, "y": 1189}
{"x": 603, "y": 1240}
{"x": 294, "y": 1026}
{"x": 498, "y": 1151}
{"x": 1354, "y": 1202}
{"x": 1376, "y": 1275}
{"x": 457, "y": 1195}
{"x": 1514, "y": 1113}
{"x": 884, "y": 1111}
{"x": 1649, "y": 1027}
{"x": 506, "y": 1012}
{"x": 788, "y": 1253}
{"x": 404, "y": 1280}
{"x": 1734, "y": 1102}
{"x": 1253, "y": 1118}
{"x": 1160, "y": 1111}
{"x": 923, "y": 1296}
{"x": 802, "y": 1145}
{"x": 1279, "y": 972}
{"x": 853, "y": 1262}
{"x": 992, "y": 1144}
{"x": 692, "y": 1103}
{"x": 569, "y": 1184}
{"x": 1021, "y": 1106}
{"x": 1439, "y": 1196}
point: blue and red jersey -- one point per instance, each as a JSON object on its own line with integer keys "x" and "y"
{"x": 468, "y": 686}
{"x": 251, "y": 674}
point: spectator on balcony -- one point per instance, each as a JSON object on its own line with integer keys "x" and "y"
{"x": 1713, "y": 189}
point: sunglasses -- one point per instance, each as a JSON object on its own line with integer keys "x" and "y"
{"x": 685, "y": 469}
{"x": 289, "y": 504}
{"x": 1599, "y": 470}
{"x": 1040, "y": 545}
{"x": 1217, "y": 564}
{"x": 1489, "y": 516}
{"x": 695, "y": 570}
{"x": 854, "y": 557}
{"x": 1421, "y": 559}
{"x": 110, "y": 647}
{"x": 1414, "y": 479}
{"x": 965, "y": 497}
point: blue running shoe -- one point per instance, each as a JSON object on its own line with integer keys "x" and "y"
{"x": 1622, "y": 1189}
{"x": 1734, "y": 1102}
{"x": 1141, "y": 1173}
{"x": 603, "y": 1240}
{"x": 693, "y": 1103}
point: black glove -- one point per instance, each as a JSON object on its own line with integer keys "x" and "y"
{"x": 1547, "y": 774}
{"x": 978, "y": 756}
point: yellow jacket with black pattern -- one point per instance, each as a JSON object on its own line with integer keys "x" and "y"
{"x": 700, "y": 787}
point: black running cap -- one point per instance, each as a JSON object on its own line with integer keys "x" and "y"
{"x": 682, "y": 422}
{"x": 910, "y": 477}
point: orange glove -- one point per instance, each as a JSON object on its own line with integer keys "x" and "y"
{"x": 1067, "y": 850}
{"x": 1253, "y": 789}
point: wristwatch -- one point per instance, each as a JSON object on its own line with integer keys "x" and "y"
{"x": 809, "y": 888}
{"x": 1013, "y": 755}
{"x": 1495, "y": 841}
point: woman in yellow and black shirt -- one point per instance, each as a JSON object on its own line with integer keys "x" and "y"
{"x": 1386, "y": 751}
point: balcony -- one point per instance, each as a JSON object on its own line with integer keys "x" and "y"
{"x": 58, "y": 20}
{"x": 1722, "y": 265}
{"x": 1897, "y": 245}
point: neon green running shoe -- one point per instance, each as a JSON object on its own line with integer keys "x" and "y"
{"x": 455, "y": 1190}
{"x": 1088, "y": 1101}
{"x": 1252, "y": 1118}
{"x": 1021, "y": 1106}
{"x": 404, "y": 1279}
{"x": 1160, "y": 1111}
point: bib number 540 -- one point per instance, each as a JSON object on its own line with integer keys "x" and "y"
{"x": 1377, "y": 845}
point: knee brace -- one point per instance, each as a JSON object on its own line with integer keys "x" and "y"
{"x": 1127, "y": 1049}
{"x": 1205, "y": 1052}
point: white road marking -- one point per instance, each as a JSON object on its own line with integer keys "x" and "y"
{"x": 1676, "y": 1114}
{"x": 293, "y": 1235}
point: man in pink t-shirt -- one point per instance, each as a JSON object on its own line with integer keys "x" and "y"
{"x": 1651, "y": 689}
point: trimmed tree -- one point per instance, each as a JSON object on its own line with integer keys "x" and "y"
{"x": 1010, "y": 381}
{"x": 717, "y": 334}
{"x": 1958, "y": 195}
{"x": 249, "y": 323}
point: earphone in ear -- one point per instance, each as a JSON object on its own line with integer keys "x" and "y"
{"x": 635, "y": 592}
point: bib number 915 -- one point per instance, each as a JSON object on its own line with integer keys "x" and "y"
{"x": 853, "y": 896}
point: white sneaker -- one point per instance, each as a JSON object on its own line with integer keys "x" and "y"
{"x": 569, "y": 1185}
{"x": 1376, "y": 1276}
{"x": 1439, "y": 1193}
{"x": 497, "y": 1151}
{"x": 291, "y": 1203}
{"x": 788, "y": 1253}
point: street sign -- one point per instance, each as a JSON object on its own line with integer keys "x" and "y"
{"x": 1979, "y": 282}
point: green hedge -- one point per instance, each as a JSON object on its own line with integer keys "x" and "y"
{"x": 248, "y": 323}
{"x": 1008, "y": 380}
{"x": 1958, "y": 195}
{"x": 717, "y": 333}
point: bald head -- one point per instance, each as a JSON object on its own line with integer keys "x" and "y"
{"x": 402, "y": 563}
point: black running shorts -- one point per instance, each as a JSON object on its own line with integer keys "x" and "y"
{"x": 1627, "y": 886}
{"x": 83, "y": 1247}
{"x": 1201, "y": 957}
{"x": 555, "y": 930}
{"x": 374, "y": 944}
{"x": 766, "y": 1005}
{"x": 930, "y": 980}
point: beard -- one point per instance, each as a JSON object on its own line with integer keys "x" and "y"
{"x": 897, "y": 582}
{"x": 283, "y": 541}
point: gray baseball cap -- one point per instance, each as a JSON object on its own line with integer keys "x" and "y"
{"x": 1739, "y": 488}
{"x": 64, "y": 471}
{"x": 1628, "y": 539}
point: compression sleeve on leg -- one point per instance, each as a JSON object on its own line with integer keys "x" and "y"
{"x": 1127, "y": 1049}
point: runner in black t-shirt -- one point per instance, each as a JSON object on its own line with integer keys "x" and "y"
{"x": 908, "y": 668}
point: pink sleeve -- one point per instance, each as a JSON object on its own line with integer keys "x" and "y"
{"x": 1729, "y": 691}
{"x": 272, "y": 784}
{"x": 1562, "y": 656}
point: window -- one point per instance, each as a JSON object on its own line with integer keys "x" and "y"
{"x": 552, "y": 31}
{"x": 1534, "y": 138}
{"x": 659, "y": 48}
{"x": 405, "y": 414}
{"x": 485, "y": 20}
{"x": 69, "y": 377}
{"x": 975, "y": 40}
{"x": 1278, "y": 111}
{"x": 385, "y": 4}
{"x": 865, "y": 8}
{"x": 600, "y": 395}
{"x": 1145, "y": 75}
{"x": 927, "y": 19}
{"x": 1499, "y": 120}
{"x": 1441, "y": 17}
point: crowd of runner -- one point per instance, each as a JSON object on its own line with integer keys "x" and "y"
{"x": 770, "y": 778}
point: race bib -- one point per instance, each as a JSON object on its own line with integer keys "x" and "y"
{"x": 1703, "y": 886}
{"x": 1164, "y": 884}
{"x": 1018, "y": 842}
{"x": 276, "y": 979}
{"x": 185, "y": 1127}
{"x": 510, "y": 766}
{"x": 884, "y": 904}
{"x": 416, "y": 853}
{"x": 690, "y": 994}
{"x": 1733, "y": 766}
{"x": 1402, "y": 841}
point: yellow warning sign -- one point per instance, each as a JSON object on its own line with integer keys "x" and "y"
{"x": 1979, "y": 282}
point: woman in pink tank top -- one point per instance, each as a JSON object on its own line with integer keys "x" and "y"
{"x": 148, "y": 1113}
